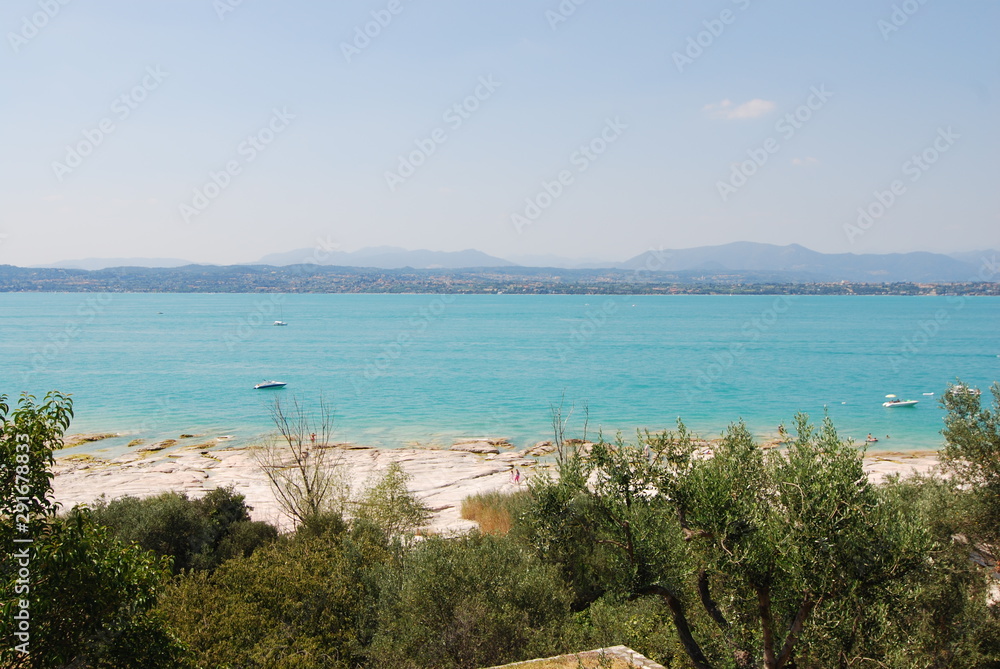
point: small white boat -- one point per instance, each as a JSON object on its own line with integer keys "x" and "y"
{"x": 893, "y": 401}
{"x": 965, "y": 390}
{"x": 280, "y": 323}
{"x": 900, "y": 403}
{"x": 270, "y": 384}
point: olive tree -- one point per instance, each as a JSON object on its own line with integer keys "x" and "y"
{"x": 747, "y": 547}
{"x": 972, "y": 455}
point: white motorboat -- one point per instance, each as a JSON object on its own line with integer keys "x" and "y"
{"x": 892, "y": 401}
{"x": 965, "y": 390}
{"x": 270, "y": 384}
{"x": 280, "y": 323}
{"x": 900, "y": 403}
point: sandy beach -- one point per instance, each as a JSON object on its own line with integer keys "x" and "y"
{"x": 442, "y": 478}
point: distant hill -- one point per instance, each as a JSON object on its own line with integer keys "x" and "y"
{"x": 798, "y": 263}
{"x": 560, "y": 261}
{"x": 386, "y": 257}
{"x": 735, "y": 262}
{"x": 104, "y": 263}
{"x": 977, "y": 258}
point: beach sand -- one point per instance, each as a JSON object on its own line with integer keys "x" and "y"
{"x": 441, "y": 478}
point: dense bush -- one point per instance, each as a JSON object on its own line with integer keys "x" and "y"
{"x": 474, "y": 601}
{"x": 642, "y": 624}
{"x": 303, "y": 601}
{"x": 972, "y": 455}
{"x": 91, "y": 601}
{"x": 196, "y": 533}
{"x": 72, "y": 594}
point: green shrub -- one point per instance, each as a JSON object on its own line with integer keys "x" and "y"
{"x": 470, "y": 602}
{"x": 390, "y": 505}
{"x": 196, "y": 533}
{"x": 303, "y": 601}
{"x": 73, "y": 595}
{"x": 641, "y": 624}
{"x": 90, "y": 602}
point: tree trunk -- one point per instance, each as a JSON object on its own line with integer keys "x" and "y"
{"x": 710, "y": 605}
{"x": 691, "y": 646}
{"x": 766, "y": 625}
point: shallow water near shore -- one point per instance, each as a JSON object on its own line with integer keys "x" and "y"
{"x": 402, "y": 370}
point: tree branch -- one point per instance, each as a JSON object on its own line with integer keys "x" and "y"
{"x": 612, "y": 542}
{"x": 710, "y": 605}
{"x": 793, "y": 633}
{"x": 691, "y": 646}
{"x": 695, "y": 534}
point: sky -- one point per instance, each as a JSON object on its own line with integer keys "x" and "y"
{"x": 219, "y": 131}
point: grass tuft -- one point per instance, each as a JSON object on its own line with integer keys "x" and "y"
{"x": 494, "y": 511}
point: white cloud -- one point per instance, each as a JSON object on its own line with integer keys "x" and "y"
{"x": 750, "y": 109}
{"x": 808, "y": 160}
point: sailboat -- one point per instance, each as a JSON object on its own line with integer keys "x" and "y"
{"x": 280, "y": 315}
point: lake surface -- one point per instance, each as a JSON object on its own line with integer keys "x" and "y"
{"x": 400, "y": 369}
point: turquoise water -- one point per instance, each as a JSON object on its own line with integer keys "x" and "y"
{"x": 400, "y": 369}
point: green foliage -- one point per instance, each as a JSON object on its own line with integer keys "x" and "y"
{"x": 641, "y": 624}
{"x": 556, "y": 526}
{"x": 302, "y": 602}
{"x": 197, "y": 534}
{"x": 81, "y": 597}
{"x": 746, "y": 547}
{"x": 471, "y": 602}
{"x": 90, "y": 599}
{"x": 390, "y": 505}
{"x": 972, "y": 454}
{"x": 937, "y": 616}
{"x": 29, "y": 435}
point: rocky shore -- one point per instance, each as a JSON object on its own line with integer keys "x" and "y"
{"x": 442, "y": 478}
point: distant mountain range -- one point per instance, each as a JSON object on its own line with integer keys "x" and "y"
{"x": 728, "y": 262}
{"x": 802, "y": 264}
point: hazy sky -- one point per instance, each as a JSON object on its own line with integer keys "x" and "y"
{"x": 219, "y": 131}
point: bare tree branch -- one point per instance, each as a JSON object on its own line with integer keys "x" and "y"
{"x": 306, "y": 472}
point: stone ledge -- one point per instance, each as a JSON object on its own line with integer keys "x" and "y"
{"x": 622, "y": 657}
